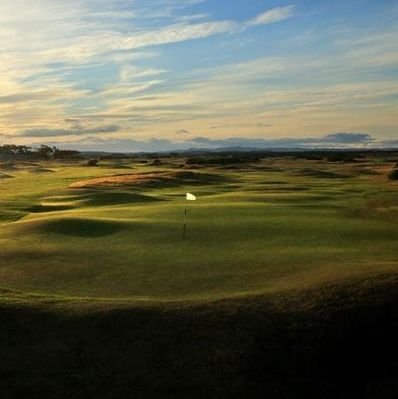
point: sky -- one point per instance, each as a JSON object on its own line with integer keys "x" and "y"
{"x": 151, "y": 75}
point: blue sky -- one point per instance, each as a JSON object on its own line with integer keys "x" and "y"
{"x": 159, "y": 74}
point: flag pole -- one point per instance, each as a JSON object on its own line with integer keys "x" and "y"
{"x": 184, "y": 229}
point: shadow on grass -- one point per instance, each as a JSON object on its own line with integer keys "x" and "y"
{"x": 327, "y": 343}
{"x": 322, "y": 174}
{"x": 76, "y": 227}
{"x": 92, "y": 197}
{"x": 112, "y": 197}
{"x": 49, "y": 208}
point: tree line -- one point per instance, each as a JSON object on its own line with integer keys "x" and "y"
{"x": 14, "y": 151}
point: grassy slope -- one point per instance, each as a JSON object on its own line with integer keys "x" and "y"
{"x": 287, "y": 273}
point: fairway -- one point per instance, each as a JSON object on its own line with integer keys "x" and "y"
{"x": 114, "y": 232}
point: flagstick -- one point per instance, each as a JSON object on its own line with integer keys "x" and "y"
{"x": 184, "y": 229}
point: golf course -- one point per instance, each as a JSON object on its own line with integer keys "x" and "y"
{"x": 283, "y": 286}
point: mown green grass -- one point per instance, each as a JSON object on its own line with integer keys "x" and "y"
{"x": 279, "y": 225}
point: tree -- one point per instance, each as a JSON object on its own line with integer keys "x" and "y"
{"x": 66, "y": 154}
{"x": 393, "y": 175}
{"x": 92, "y": 162}
{"x": 46, "y": 152}
{"x": 15, "y": 151}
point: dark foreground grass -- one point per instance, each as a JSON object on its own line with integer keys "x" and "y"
{"x": 330, "y": 342}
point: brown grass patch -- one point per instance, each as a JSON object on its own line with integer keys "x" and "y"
{"x": 152, "y": 179}
{"x": 122, "y": 180}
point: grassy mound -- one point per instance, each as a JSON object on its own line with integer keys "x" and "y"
{"x": 150, "y": 179}
{"x": 113, "y": 197}
{"x": 8, "y": 166}
{"x": 5, "y": 176}
{"x": 40, "y": 170}
{"x": 119, "y": 166}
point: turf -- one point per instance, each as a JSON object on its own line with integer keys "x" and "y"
{"x": 268, "y": 243}
{"x": 250, "y": 233}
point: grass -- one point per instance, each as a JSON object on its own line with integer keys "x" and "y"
{"x": 250, "y": 233}
{"x": 274, "y": 250}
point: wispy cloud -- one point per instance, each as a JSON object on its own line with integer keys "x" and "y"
{"x": 131, "y": 72}
{"x": 86, "y": 39}
{"x": 74, "y": 131}
{"x": 182, "y": 131}
{"x": 273, "y": 15}
{"x": 175, "y": 33}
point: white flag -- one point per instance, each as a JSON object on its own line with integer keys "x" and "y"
{"x": 191, "y": 197}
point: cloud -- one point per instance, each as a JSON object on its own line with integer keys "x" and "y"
{"x": 23, "y": 97}
{"x": 48, "y": 73}
{"x": 348, "y": 138}
{"x": 390, "y": 143}
{"x": 183, "y": 131}
{"x": 218, "y": 126}
{"x": 92, "y": 46}
{"x": 102, "y": 43}
{"x": 273, "y": 15}
{"x": 76, "y": 130}
{"x": 31, "y": 93}
{"x": 193, "y": 17}
{"x": 131, "y": 72}
{"x": 126, "y": 90}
